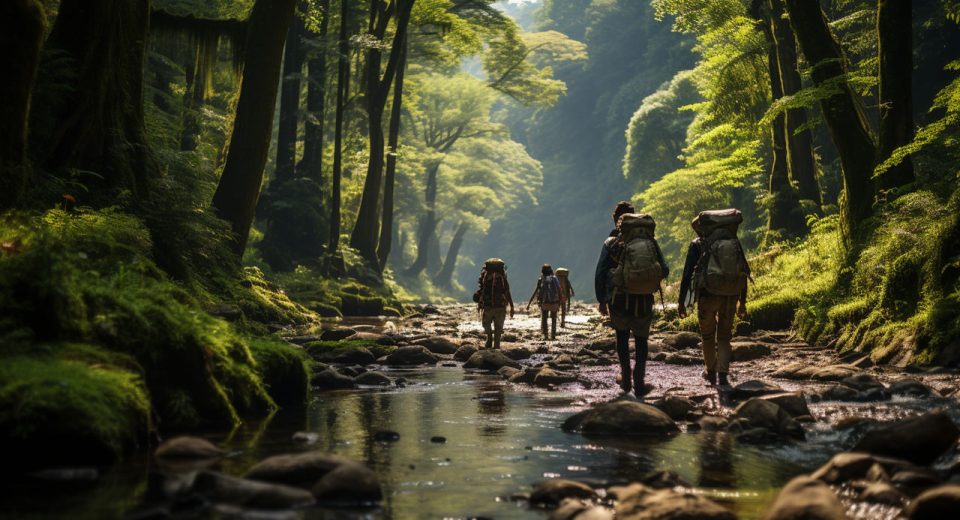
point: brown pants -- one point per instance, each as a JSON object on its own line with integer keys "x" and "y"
{"x": 492, "y": 320}
{"x": 716, "y": 315}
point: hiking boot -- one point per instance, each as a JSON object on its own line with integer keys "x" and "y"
{"x": 710, "y": 377}
{"x": 642, "y": 389}
{"x": 723, "y": 379}
{"x": 489, "y": 342}
{"x": 625, "y": 378}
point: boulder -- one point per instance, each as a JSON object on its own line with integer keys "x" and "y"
{"x": 348, "y": 483}
{"x": 463, "y": 353}
{"x": 337, "y": 334}
{"x": 526, "y": 376}
{"x": 573, "y": 509}
{"x": 748, "y": 351}
{"x": 678, "y": 408}
{"x": 518, "y": 353}
{"x": 301, "y": 469}
{"x": 350, "y": 356}
{"x": 623, "y": 418}
{"x": 758, "y": 413}
{"x": 844, "y": 467}
{"x": 883, "y": 493}
{"x": 552, "y": 492}
{"x": 639, "y": 502}
{"x": 795, "y": 370}
{"x": 508, "y": 372}
{"x": 548, "y": 376}
{"x": 683, "y": 339}
{"x": 808, "y": 499}
{"x": 188, "y": 448}
{"x": 440, "y": 345}
{"x": 754, "y": 388}
{"x": 862, "y": 382}
{"x": 225, "y": 489}
{"x": 936, "y": 504}
{"x": 914, "y": 480}
{"x": 918, "y": 439}
{"x": 603, "y": 345}
{"x": 411, "y": 355}
{"x": 372, "y": 378}
{"x": 672, "y": 358}
{"x": 490, "y": 360}
{"x": 330, "y": 379}
{"x": 834, "y": 373}
{"x": 794, "y": 403}
{"x": 911, "y": 387}
{"x": 839, "y": 393}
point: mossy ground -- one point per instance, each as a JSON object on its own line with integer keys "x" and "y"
{"x": 327, "y": 350}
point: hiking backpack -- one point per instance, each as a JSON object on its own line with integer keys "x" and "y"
{"x": 493, "y": 285}
{"x": 550, "y": 289}
{"x": 722, "y": 269}
{"x": 638, "y": 268}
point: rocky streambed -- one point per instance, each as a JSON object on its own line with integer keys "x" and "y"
{"x": 410, "y": 420}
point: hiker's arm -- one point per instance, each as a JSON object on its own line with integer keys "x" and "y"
{"x": 663, "y": 263}
{"x": 600, "y": 278}
{"x": 506, "y": 286}
{"x": 570, "y": 285}
{"x": 693, "y": 254}
{"x": 742, "y": 308}
{"x": 534, "y": 295}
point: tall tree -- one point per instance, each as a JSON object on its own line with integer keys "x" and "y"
{"x": 343, "y": 89}
{"x": 377, "y": 88}
{"x": 389, "y": 178}
{"x": 289, "y": 102}
{"x": 312, "y": 163}
{"x": 842, "y": 111}
{"x": 22, "y": 23}
{"x": 444, "y": 277}
{"x": 895, "y": 50}
{"x": 236, "y": 197}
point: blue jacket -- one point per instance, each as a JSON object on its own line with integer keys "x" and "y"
{"x": 603, "y": 278}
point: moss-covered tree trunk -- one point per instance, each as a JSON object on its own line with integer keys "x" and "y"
{"x": 895, "y": 50}
{"x": 444, "y": 277}
{"x": 22, "y": 23}
{"x": 311, "y": 166}
{"x": 427, "y": 226}
{"x": 389, "y": 177}
{"x": 289, "y": 103}
{"x": 98, "y": 124}
{"x": 803, "y": 165}
{"x": 236, "y": 197}
{"x": 343, "y": 88}
{"x": 843, "y": 113}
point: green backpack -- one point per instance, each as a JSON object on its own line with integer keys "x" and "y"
{"x": 638, "y": 268}
{"x": 722, "y": 269}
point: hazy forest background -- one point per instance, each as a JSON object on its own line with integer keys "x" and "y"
{"x": 203, "y": 174}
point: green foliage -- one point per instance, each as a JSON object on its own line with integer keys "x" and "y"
{"x": 284, "y": 370}
{"x": 329, "y": 350}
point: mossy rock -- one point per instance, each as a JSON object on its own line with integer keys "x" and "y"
{"x": 772, "y": 313}
{"x": 327, "y": 351}
{"x": 353, "y": 305}
{"x": 284, "y": 369}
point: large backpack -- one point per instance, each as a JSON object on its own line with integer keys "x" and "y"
{"x": 493, "y": 284}
{"x": 638, "y": 268}
{"x": 550, "y": 290}
{"x": 722, "y": 269}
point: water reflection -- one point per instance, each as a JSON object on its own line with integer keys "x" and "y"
{"x": 491, "y": 405}
{"x": 716, "y": 460}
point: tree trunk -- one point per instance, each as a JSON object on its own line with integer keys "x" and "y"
{"x": 343, "y": 88}
{"x": 192, "y": 102}
{"x": 98, "y": 126}
{"x": 428, "y": 224}
{"x": 236, "y": 197}
{"x": 444, "y": 278}
{"x": 843, "y": 113}
{"x": 386, "y": 229}
{"x": 311, "y": 165}
{"x": 22, "y": 23}
{"x": 895, "y": 49}
{"x": 803, "y": 165}
{"x": 366, "y": 231}
{"x": 289, "y": 103}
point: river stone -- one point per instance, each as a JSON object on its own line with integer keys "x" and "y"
{"x": 463, "y": 353}
{"x": 754, "y": 388}
{"x": 350, "y": 356}
{"x": 374, "y": 337}
{"x": 490, "y": 360}
{"x": 862, "y": 382}
{"x": 301, "y": 469}
{"x": 919, "y": 439}
{"x": 759, "y": 413}
{"x": 938, "y": 503}
{"x": 372, "y": 378}
{"x": 225, "y": 489}
{"x": 911, "y": 387}
{"x": 625, "y": 418}
{"x": 883, "y": 493}
{"x": 712, "y": 423}
{"x": 508, "y": 372}
{"x": 672, "y": 358}
{"x": 527, "y": 375}
{"x": 834, "y": 373}
{"x": 749, "y": 351}
{"x": 844, "y": 467}
{"x": 639, "y": 502}
{"x": 678, "y": 408}
{"x": 808, "y": 499}
{"x": 794, "y": 403}
{"x": 440, "y": 345}
{"x": 603, "y": 345}
{"x": 683, "y": 339}
{"x": 552, "y": 492}
{"x": 518, "y": 353}
{"x": 548, "y": 376}
{"x": 839, "y": 393}
{"x": 330, "y": 379}
{"x": 186, "y": 447}
{"x": 796, "y": 370}
{"x": 411, "y": 355}
{"x": 915, "y": 480}
{"x": 337, "y": 334}
{"x": 350, "y": 483}
{"x": 573, "y": 509}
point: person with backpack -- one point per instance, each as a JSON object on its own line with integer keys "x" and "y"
{"x": 549, "y": 298}
{"x": 492, "y": 298}
{"x": 715, "y": 277}
{"x": 629, "y": 272}
{"x": 566, "y": 290}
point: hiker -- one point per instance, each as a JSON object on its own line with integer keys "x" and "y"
{"x": 629, "y": 272}
{"x": 549, "y": 298}
{"x": 566, "y": 289}
{"x": 492, "y": 298}
{"x": 715, "y": 277}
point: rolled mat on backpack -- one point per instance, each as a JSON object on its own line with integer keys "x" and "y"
{"x": 709, "y": 220}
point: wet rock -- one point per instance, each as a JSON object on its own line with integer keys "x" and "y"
{"x": 186, "y": 447}
{"x": 301, "y": 469}
{"x": 639, "y": 502}
{"x": 834, "y": 373}
{"x": 862, "y": 382}
{"x": 622, "y": 418}
{"x": 794, "y": 403}
{"x": 305, "y": 437}
{"x": 665, "y": 479}
{"x": 509, "y": 337}
{"x": 349, "y": 483}
{"x": 518, "y": 353}
{"x": 330, "y": 379}
{"x": 919, "y": 439}
{"x": 936, "y": 504}
{"x": 337, "y": 334}
{"x": 225, "y": 489}
{"x": 372, "y": 378}
{"x": 348, "y": 371}
{"x": 911, "y": 387}
{"x": 548, "y": 376}
{"x": 490, "y": 360}
{"x": 839, "y": 393}
{"x": 844, "y": 467}
{"x": 572, "y": 509}
{"x": 411, "y": 355}
{"x": 463, "y": 353}
{"x": 440, "y": 345}
{"x": 678, "y": 408}
{"x": 552, "y": 492}
{"x": 603, "y": 345}
{"x": 351, "y": 356}
{"x": 374, "y": 337}
{"x": 508, "y": 372}
{"x": 915, "y": 480}
{"x": 672, "y": 358}
{"x": 749, "y": 351}
{"x": 526, "y": 376}
{"x": 883, "y": 493}
{"x": 758, "y": 413}
{"x": 683, "y": 339}
{"x": 806, "y": 498}
{"x": 796, "y": 370}
{"x": 754, "y": 388}
{"x": 712, "y": 423}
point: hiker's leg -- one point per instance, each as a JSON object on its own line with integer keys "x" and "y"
{"x": 725, "y": 314}
{"x": 487, "y": 320}
{"x": 640, "y": 367}
{"x": 563, "y": 315}
{"x": 553, "y": 324}
{"x": 543, "y": 323}
{"x": 498, "y": 319}
{"x": 707, "y": 314}
{"x": 623, "y": 354}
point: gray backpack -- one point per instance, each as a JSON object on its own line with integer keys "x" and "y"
{"x": 722, "y": 269}
{"x": 638, "y": 265}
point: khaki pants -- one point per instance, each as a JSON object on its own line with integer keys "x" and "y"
{"x": 716, "y": 315}
{"x": 492, "y": 320}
